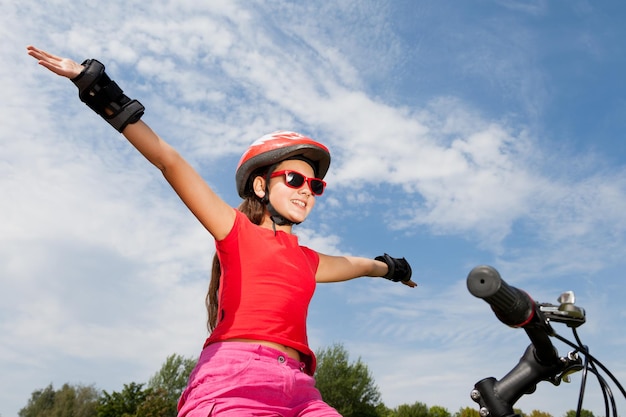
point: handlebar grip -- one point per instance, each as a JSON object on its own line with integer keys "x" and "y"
{"x": 512, "y": 306}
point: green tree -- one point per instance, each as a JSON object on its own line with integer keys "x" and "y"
{"x": 158, "y": 399}
{"x": 157, "y": 404}
{"x": 172, "y": 378}
{"x": 438, "y": 411}
{"x": 69, "y": 401}
{"x": 467, "y": 412}
{"x": 124, "y": 403}
{"x": 417, "y": 409}
{"x": 348, "y": 387}
{"x": 537, "y": 413}
{"x": 583, "y": 413}
{"x": 473, "y": 412}
{"x": 76, "y": 401}
{"x": 383, "y": 411}
{"x": 40, "y": 404}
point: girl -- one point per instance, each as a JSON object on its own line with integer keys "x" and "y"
{"x": 256, "y": 360}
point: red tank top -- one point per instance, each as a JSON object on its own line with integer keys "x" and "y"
{"x": 266, "y": 286}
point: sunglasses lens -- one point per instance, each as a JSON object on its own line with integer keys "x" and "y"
{"x": 294, "y": 179}
{"x": 317, "y": 187}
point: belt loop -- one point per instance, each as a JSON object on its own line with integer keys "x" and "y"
{"x": 258, "y": 352}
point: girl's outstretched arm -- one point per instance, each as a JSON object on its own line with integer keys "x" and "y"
{"x": 213, "y": 212}
{"x": 344, "y": 268}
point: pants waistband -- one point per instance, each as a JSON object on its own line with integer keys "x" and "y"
{"x": 261, "y": 352}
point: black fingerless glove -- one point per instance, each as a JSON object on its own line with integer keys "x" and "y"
{"x": 105, "y": 97}
{"x": 399, "y": 268}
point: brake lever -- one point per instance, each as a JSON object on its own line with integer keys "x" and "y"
{"x": 566, "y": 312}
{"x": 571, "y": 315}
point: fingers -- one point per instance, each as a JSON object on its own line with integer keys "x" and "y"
{"x": 410, "y": 283}
{"x": 41, "y": 54}
{"x": 46, "y": 59}
{"x": 60, "y": 66}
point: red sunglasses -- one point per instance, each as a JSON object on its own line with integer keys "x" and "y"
{"x": 294, "y": 179}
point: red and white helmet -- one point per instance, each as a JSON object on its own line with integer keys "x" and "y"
{"x": 276, "y": 147}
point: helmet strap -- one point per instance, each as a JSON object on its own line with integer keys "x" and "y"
{"x": 275, "y": 216}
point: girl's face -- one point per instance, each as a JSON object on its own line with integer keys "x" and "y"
{"x": 294, "y": 204}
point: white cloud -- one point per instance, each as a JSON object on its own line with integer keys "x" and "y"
{"x": 103, "y": 269}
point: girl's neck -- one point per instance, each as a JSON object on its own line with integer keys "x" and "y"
{"x": 269, "y": 224}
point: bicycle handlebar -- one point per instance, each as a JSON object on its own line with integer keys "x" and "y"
{"x": 540, "y": 360}
{"x": 512, "y": 306}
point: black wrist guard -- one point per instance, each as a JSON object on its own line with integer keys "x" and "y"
{"x": 399, "y": 268}
{"x": 103, "y": 96}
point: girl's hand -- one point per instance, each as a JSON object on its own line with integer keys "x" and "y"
{"x": 409, "y": 283}
{"x": 64, "y": 67}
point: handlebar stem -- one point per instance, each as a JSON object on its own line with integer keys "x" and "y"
{"x": 498, "y": 397}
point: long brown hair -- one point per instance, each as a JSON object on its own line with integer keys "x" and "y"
{"x": 255, "y": 210}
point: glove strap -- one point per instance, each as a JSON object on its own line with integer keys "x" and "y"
{"x": 105, "y": 97}
{"x": 398, "y": 268}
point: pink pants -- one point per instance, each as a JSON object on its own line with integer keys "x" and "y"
{"x": 245, "y": 379}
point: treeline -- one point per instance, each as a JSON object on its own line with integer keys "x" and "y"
{"x": 347, "y": 386}
{"x": 156, "y": 398}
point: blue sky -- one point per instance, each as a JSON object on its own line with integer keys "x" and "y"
{"x": 462, "y": 133}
